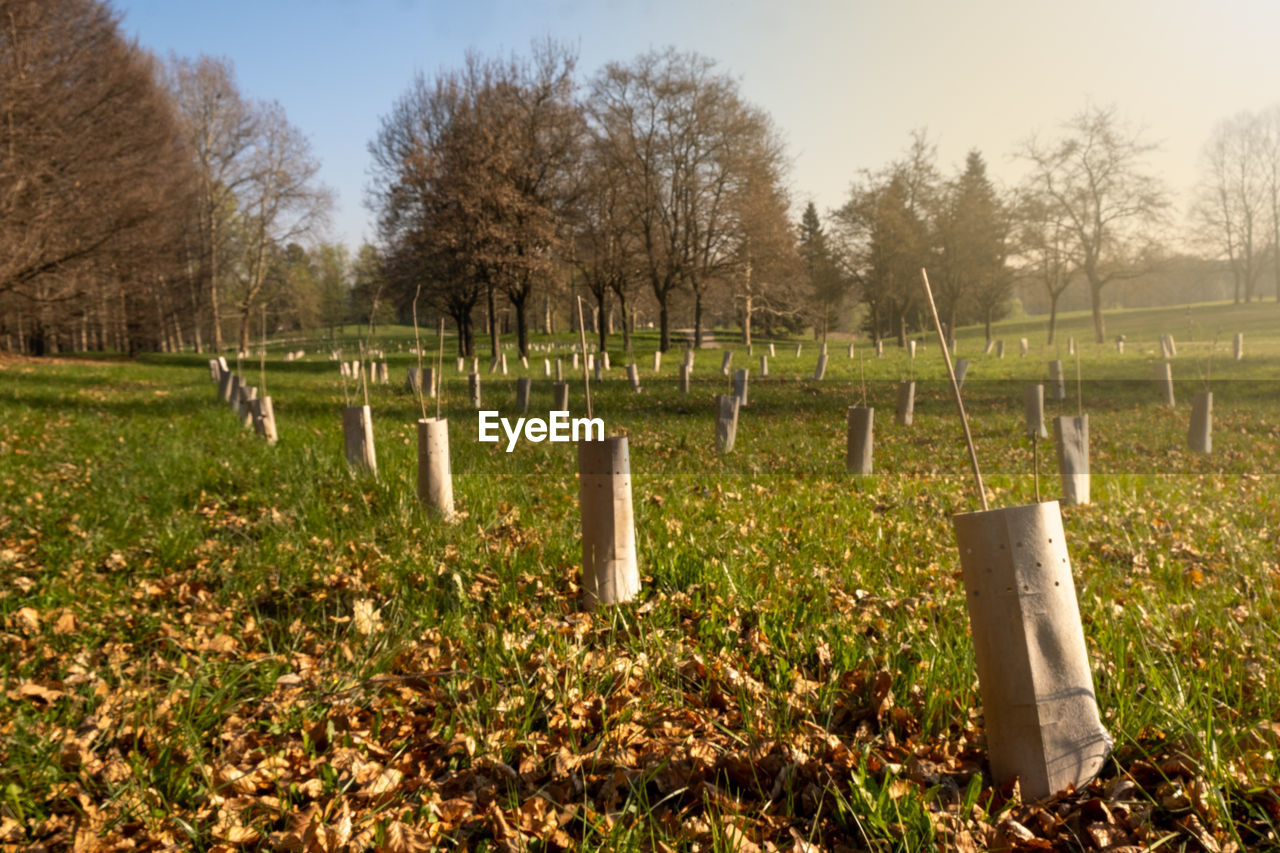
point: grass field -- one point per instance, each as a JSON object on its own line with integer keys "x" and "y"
{"x": 211, "y": 643}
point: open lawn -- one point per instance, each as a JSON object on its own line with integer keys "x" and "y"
{"x": 208, "y": 642}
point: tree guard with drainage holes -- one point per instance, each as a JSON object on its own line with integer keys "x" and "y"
{"x": 1057, "y": 380}
{"x": 1039, "y": 706}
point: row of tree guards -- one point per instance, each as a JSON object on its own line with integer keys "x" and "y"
{"x": 243, "y": 399}
{"x": 1041, "y": 715}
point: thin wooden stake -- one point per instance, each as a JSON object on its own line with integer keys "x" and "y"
{"x": 1035, "y": 464}
{"x": 364, "y": 380}
{"x": 862, "y": 379}
{"x": 437, "y": 385}
{"x": 1079, "y": 387}
{"x": 955, "y": 390}
{"x": 417, "y": 346}
{"x": 262, "y": 362}
{"x": 586, "y": 377}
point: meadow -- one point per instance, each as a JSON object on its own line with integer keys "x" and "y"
{"x": 207, "y": 642}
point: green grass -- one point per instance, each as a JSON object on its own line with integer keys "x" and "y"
{"x": 184, "y": 657}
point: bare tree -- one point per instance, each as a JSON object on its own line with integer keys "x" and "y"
{"x": 1230, "y": 207}
{"x": 680, "y": 139}
{"x": 280, "y": 201}
{"x": 1270, "y": 143}
{"x": 1045, "y": 241}
{"x": 221, "y": 128}
{"x": 1093, "y": 175}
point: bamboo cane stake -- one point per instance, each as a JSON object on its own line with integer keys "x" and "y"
{"x": 586, "y": 377}
{"x": 417, "y": 347}
{"x": 955, "y": 390}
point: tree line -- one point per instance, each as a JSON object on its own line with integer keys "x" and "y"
{"x": 144, "y": 204}
{"x": 151, "y": 205}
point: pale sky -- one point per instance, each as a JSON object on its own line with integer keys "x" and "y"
{"x": 846, "y": 82}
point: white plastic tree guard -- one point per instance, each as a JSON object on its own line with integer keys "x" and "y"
{"x": 657, "y": 360}
{"x": 1200, "y": 432}
{"x": 764, "y": 365}
{"x": 1071, "y": 435}
{"x": 726, "y": 422}
{"x": 1039, "y": 707}
{"x": 820, "y": 369}
{"x": 473, "y": 389}
{"x": 1164, "y": 381}
{"x": 1033, "y": 405}
{"x": 435, "y": 474}
{"x": 962, "y": 370}
{"x": 860, "y": 443}
{"x": 1237, "y": 347}
{"x": 610, "y": 574}
{"x": 247, "y": 397}
{"x": 999, "y": 349}
{"x": 1057, "y": 380}
{"x": 523, "y": 386}
{"x": 560, "y": 397}
{"x": 906, "y": 408}
{"x": 685, "y": 370}
{"x": 357, "y": 435}
{"x": 633, "y": 377}
{"x": 740, "y": 377}
{"x": 725, "y": 362}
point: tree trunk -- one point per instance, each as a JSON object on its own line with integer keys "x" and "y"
{"x": 601, "y": 302}
{"x": 1053, "y": 315}
{"x": 664, "y": 339}
{"x": 697, "y": 320}
{"x": 627, "y": 326}
{"x": 522, "y": 326}
{"x": 746, "y": 321}
{"x": 1099, "y": 325}
{"x": 493, "y": 322}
